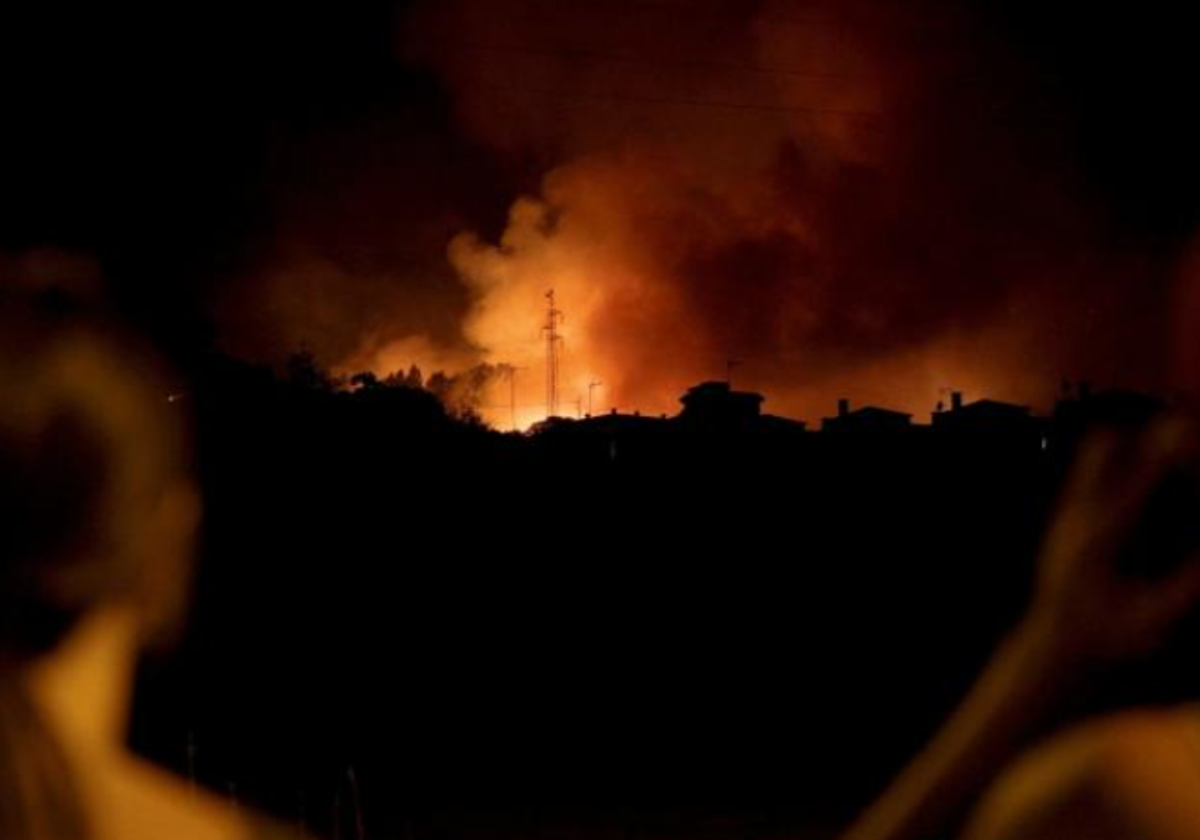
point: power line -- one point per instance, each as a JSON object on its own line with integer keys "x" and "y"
{"x": 614, "y": 58}
{"x": 592, "y": 385}
{"x": 553, "y": 340}
{"x": 507, "y": 406}
{"x": 677, "y": 13}
{"x": 868, "y": 119}
{"x": 687, "y": 102}
{"x": 510, "y": 372}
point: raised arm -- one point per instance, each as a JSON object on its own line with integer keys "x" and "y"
{"x": 1086, "y": 612}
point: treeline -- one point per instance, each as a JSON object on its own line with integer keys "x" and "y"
{"x": 601, "y": 617}
{"x": 461, "y": 394}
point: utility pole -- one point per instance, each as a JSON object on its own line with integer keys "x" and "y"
{"x": 595, "y": 383}
{"x": 510, "y": 372}
{"x": 553, "y": 341}
{"x": 730, "y": 364}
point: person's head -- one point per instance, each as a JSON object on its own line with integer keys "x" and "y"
{"x": 97, "y": 512}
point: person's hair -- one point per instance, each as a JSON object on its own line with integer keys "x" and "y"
{"x": 91, "y": 442}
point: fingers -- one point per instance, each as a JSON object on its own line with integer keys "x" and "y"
{"x": 1109, "y": 491}
{"x": 1108, "y": 459}
{"x": 1093, "y": 464}
{"x": 1118, "y": 559}
{"x": 1168, "y": 443}
{"x": 1175, "y": 595}
{"x": 1132, "y": 473}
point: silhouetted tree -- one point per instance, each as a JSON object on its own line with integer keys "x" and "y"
{"x": 364, "y": 381}
{"x": 439, "y": 385}
{"x": 414, "y": 378}
{"x": 304, "y": 370}
{"x": 463, "y": 393}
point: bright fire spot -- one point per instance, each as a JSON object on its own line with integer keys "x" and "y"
{"x": 827, "y": 240}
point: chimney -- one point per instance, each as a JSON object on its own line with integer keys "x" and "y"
{"x": 843, "y": 407}
{"x": 955, "y": 400}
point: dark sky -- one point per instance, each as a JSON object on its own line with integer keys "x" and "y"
{"x": 1120, "y": 77}
{"x": 276, "y": 175}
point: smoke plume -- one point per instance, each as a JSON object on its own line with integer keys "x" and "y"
{"x": 868, "y": 199}
{"x": 827, "y": 199}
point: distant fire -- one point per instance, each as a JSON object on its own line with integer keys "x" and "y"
{"x": 818, "y": 198}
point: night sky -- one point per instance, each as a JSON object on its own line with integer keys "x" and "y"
{"x": 874, "y": 199}
{"x": 882, "y": 200}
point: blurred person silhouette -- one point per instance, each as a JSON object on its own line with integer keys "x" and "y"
{"x": 98, "y": 513}
{"x": 1119, "y": 568}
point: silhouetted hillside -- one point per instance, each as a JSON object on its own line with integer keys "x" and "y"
{"x": 643, "y": 612}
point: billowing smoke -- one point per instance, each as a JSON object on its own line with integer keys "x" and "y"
{"x": 868, "y": 199}
{"x": 827, "y": 199}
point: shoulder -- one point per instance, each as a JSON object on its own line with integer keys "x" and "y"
{"x": 262, "y": 828}
{"x": 1132, "y": 774}
{"x": 142, "y": 801}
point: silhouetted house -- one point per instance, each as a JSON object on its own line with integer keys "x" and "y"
{"x": 613, "y": 423}
{"x": 986, "y": 416}
{"x": 616, "y": 423}
{"x": 1081, "y": 409}
{"x": 776, "y": 425}
{"x": 1111, "y": 407}
{"x": 866, "y": 419}
{"x": 716, "y": 405}
{"x": 553, "y": 425}
{"x": 603, "y": 437}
